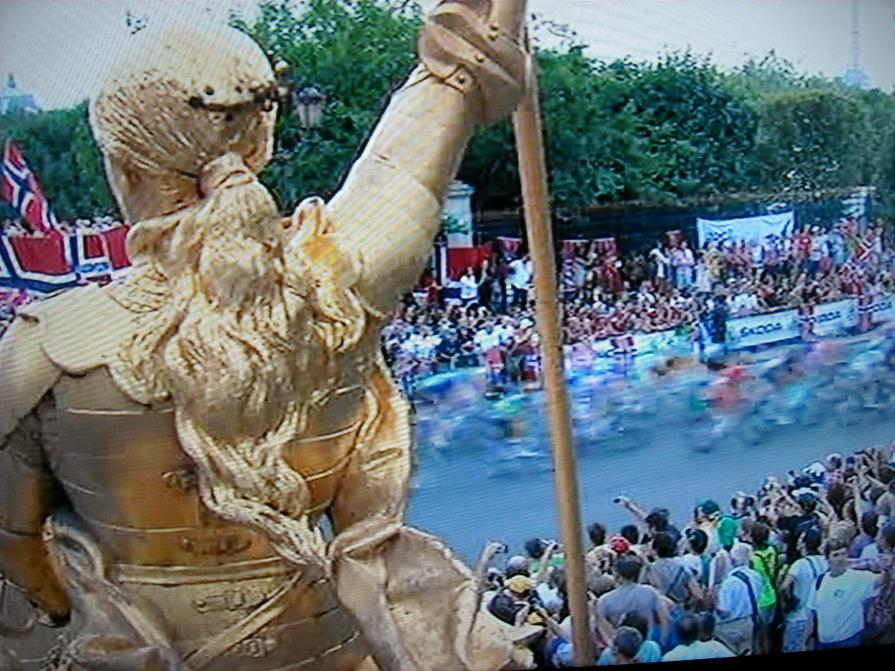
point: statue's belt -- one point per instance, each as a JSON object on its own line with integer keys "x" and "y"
{"x": 197, "y": 575}
{"x": 260, "y": 617}
{"x": 295, "y": 584}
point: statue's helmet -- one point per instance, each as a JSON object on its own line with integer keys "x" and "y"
{"x": 180, "y": 97}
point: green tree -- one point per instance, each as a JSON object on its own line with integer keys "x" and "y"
{"x": 811, "y": 139}
{"x": 60, "y": 150}
{"x": 614, "y": 131}
{"x": 355, "y": 52}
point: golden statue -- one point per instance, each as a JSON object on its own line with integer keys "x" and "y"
{"x": 170, "y": 443}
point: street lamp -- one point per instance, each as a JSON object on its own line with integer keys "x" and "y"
{"x": 309, "y": 104}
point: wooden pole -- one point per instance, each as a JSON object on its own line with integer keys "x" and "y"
{"x": 533, "y": 175}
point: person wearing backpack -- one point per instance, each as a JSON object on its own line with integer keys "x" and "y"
{"x": 796, "y": 589}
{"x": 672, "y": 579}
{"x": 765, "y": 562}
{"x": 736, "y": 603}
{"x": 838, "y": 600}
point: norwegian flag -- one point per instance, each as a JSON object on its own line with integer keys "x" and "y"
{"x": 570, "y": 248}
{"x": 863, "y": 249}
{"x": 48, "y": 263}
{"x": 606, "y": 246}
{"x": 19, "y": 187}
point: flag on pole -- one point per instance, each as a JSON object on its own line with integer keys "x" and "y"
{"x": 19, "y": 187}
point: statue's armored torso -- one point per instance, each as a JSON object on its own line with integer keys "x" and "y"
{"x": 135, "y": 491}
{"x": 126, "y": 477}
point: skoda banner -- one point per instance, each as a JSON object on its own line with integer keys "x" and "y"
{"x": 883, "y": 309}
{"x": 745, "y": 332}
{"x": 832, "y": 319}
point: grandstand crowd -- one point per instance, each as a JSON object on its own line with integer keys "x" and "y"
{"x": 487, "y": 314}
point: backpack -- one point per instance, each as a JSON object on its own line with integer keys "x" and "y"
{"x": 768, "y": 595}
{"x": 504, "y": 608}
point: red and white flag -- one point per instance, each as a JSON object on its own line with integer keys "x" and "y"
{"x": 19, "y": 187}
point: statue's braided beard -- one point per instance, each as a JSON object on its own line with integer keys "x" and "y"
{"x": 229, "y": 341}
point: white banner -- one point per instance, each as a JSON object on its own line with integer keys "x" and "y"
{"x": 657, "y": 341}
{"x": 751, "y": 229}
{"x": 832, "y": 319}
{"x": 762, "y": 329}
{"x": 883, "y": 309}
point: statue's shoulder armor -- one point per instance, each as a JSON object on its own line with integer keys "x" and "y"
{"x": 80, "y": 329}
{"x": 71, "y": 333}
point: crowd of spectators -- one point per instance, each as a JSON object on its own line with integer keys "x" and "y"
{"x": 97, "y": 224}
{"x": 804, "y": 563}
{"x": 488, "y": 314}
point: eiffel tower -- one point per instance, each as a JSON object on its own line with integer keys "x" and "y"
{"x": 855, "y": 76}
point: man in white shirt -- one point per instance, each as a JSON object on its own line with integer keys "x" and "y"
{"x": 488, "y": 338}
{"x": 799, "y": 583}
{"x": 837, "y": 603}
{"x": 736, "y": 605}
{"x": 745, "y": 301}
{"x": 661, "y": 263}
{"x": 505, "y": 331}
{"x": 520, "y": 279}
{"x": 469, "y": 288}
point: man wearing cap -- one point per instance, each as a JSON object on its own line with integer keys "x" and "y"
{"x": 736, "y": 604}
{"x": 517, "y": 565}
{"x": 511, "y": 604}
{"x": 655, "y": 521}
{"x": 599, "y": 563}
{"x": 720, "y": 564}
{"x": 708, "y": 514}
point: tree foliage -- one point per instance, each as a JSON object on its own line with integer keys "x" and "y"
{"x": 60, "y": 150}
{"x": 614, "y": 131}
{"x": 355, "y": 52}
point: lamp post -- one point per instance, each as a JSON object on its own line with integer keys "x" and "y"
{"x": 309, "y": 104}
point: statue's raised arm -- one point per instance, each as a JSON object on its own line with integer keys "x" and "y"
{"x": 472, "y": 71}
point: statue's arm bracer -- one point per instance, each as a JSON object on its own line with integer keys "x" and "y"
{"x": 27, "y": 488}
{"x": 388, "y": 210}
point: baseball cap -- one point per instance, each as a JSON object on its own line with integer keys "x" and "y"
{"x": 619, "y": 544}
{"x": 519, "y": 584}
{"x": 709, "y": 507}
{"x": 727, "y": 530}
{"x": 516, "y": 563}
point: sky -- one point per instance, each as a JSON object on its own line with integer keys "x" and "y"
{"x": 59, "y": 49}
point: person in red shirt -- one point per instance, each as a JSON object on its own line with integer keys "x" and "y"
{"x": 619, "y": 320}
{"x": 610, "y": 275}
